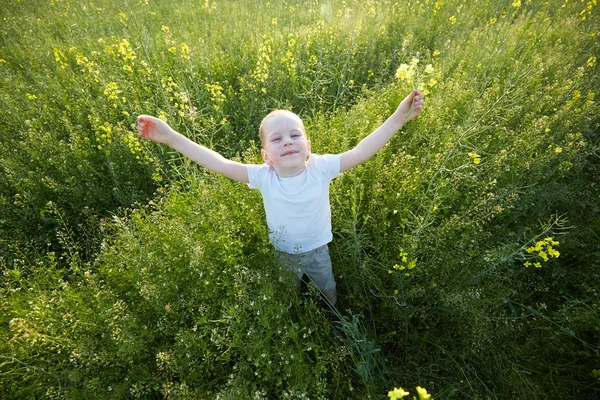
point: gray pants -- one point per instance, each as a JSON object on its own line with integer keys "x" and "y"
{"x": 316, "y": 264}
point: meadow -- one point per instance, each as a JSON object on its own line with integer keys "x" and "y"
{"x": 466, "y": 251}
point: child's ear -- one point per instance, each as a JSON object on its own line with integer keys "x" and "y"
{"x": 308, "y": 145}
{"x": 265, "y": 157}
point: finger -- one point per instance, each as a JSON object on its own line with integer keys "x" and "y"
{"x": 143, "y": 128}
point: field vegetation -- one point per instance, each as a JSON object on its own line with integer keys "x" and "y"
{"x": 466, "y": 251}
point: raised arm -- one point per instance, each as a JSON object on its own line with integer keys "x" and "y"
{"x": 158, "y": 130}
{"x": 409, "y": 108}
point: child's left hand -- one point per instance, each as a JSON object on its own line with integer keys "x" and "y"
{"x": 411, "y": 106}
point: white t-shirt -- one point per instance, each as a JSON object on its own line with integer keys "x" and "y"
{"x": 297, "y": 208}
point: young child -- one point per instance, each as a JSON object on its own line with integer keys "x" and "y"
{"x": 293, "y": 182}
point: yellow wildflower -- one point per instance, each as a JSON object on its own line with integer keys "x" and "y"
{"x": 185, "y": 51}
{"x": 591, "y": 62}
{"x": 476, "y": 157}
{"x": 452, "y": 20}
{"x": 112, "y": 91}
{"x": 423, "y": 395}
{"x": 397, "y": 393}
{"x": 405, "y": 72}
{"x": 126, "y": 51}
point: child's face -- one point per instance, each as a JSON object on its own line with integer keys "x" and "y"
{"x": 285, "y": 146}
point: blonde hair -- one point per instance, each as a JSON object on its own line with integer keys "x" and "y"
{"x": 261, "y": 131}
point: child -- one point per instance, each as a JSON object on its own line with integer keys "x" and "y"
{"x": 293, "y": 182}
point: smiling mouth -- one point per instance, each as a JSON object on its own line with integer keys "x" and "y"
{"x": 289, "y": 153}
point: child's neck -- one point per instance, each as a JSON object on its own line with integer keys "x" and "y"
{"x": 290, "y": 172}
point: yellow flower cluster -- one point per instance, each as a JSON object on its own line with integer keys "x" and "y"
{"x": 589, "y": 6}
{"x": 134, "y": 145}
{"x": 112, "y": 91}
{"x": 544, "y": 250}
{"x": 89, "y": 66}
{"x": 123, "y": 18}
{"x": 404, "y": 264}
{"x": 407, "y": 72}
{"x": 476, "y": 158}
{"x": 123, "y": 49}
{"x": 105, "y": 134}
{"x": 216, "y": 94}
{"x": 126, "y": 51}
{"x": 289, "y": 60}
{"x": 410, "y": 73}
{"x": 179, "y": 99}
{"x": 557, "y": 149}
{"x": 399, "y": 393}
{"x": 60, "y": 58}
{"x": 208, "y": 6}
{"x": 261, "y": 72}
{"x": 168, "y": 84}
{"x": 185, "y": 51}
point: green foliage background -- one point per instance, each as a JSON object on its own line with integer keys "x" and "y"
{"x": 127, "y": 272}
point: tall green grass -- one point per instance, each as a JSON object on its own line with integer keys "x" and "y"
{"x": 179, "y": 296}
{"x": 76, "y": 74}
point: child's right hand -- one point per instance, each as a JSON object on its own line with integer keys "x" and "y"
{"x": 154, "y": 129}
